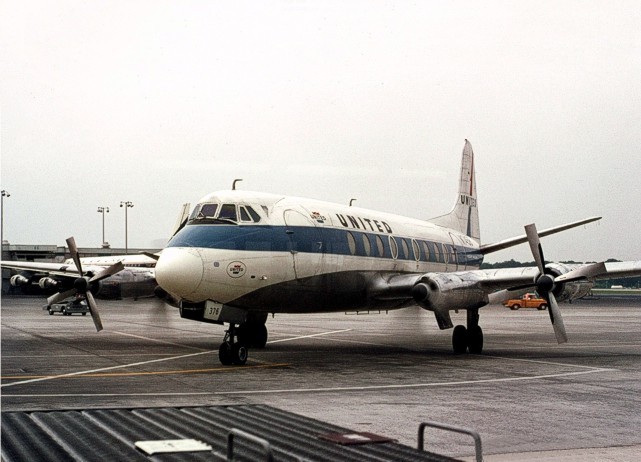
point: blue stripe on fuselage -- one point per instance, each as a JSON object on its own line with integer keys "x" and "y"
{"x": 307, "y": 239}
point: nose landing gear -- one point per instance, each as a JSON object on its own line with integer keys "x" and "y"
{"x": 232, "y": 351}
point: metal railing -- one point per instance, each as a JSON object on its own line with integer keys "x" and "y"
{"x": 264, "y": 444}
{"x": 452, "y": 428}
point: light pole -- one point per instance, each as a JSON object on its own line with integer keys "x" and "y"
{"x": 126, "y": 205}
{"x": 103, "y": 210}
{"x": 4, "y": 194}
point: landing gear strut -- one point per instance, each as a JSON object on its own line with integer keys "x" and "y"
{"x": 470, "y": 338}
{"x": 232, "y": 351}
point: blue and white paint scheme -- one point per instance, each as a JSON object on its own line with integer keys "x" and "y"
{"x": 242, "y": 255}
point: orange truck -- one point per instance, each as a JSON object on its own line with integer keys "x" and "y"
{"x": 527, "y": 301}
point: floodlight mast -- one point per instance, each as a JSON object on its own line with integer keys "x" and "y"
{"x": 126, "y": 205}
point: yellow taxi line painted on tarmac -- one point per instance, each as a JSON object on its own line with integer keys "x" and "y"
{"x": 33, "y": 379}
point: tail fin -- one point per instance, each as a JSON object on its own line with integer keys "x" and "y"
{"x": 464, "y": 217}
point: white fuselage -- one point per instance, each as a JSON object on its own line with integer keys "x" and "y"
{"x": 283, "y": 254}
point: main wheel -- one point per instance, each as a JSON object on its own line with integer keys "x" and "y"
{"x": 475, "y": 340}
{"x": 459, "y": 339}
{"x": 225, "y": 354}
{"x": 239, "y": 354}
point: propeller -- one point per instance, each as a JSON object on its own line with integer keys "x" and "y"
{"x": 545, "y": 283}
{"x": 83, "y": 283}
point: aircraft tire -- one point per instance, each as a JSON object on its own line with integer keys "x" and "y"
{"x": 225, "y": 354}
{"x": 459, "y": 340}
{"x": 475, "y": 340}
{"x": 239, "y": 354}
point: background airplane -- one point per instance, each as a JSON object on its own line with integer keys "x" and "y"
{"x": 134, "y": 279}
{"x": 242, "y": 255}
{"x": 115, "y": 276}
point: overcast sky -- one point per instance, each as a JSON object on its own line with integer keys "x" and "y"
{"x": 162, "y": 102}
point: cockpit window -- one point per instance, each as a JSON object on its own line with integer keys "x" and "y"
{"x": 228, "y": 212}
{"x": 208, "y": 211}
{"x": 214, "y": 213}
{"x": 244, "y": 214}
{"x": 254, "y": 215}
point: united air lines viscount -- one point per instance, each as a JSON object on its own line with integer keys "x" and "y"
{"x": 242, "y": 255}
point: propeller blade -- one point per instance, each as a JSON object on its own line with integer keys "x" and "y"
{"x": 110, "y": 271}
{"x": 545, "y": 283}
{"x": 557, "y": 320}
{"x": 58, "y": 297}
{"x": 535, "y": 246}
{"x": 73, "y": 250}
{"x": 93, "y": 309}
{"x": 584, "y": 272}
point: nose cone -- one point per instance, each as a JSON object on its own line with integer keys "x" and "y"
{"x": 179, "y": 271}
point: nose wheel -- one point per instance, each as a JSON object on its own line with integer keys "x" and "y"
{"x": 232, "y": 351}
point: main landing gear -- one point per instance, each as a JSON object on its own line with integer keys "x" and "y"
{"x": 470, "y": 338}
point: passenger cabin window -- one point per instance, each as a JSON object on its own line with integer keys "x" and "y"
{"x": 426, "y": 251}
{"x": 367, "y": 244}
{"x": 351, "y": 243}
{"x": 393, "y": 247}
{"x": 406, "y": 249}
{"x": 417, "y": 250}
{"x": 380, "y": 246}
{"x": 437, "y": 253}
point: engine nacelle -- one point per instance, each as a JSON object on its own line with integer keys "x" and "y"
{"x": 18, "y": 280}
{"x": 47, "y": 283}
{"x": 568, "y": 291}
{"x": 443, "y": 292}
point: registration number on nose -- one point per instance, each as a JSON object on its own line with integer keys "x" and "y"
{"x": 212, "y": 310}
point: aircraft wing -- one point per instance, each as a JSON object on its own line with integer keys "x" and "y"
{"x": 622, "y": 269}
{"x": 489, "y": 248}
{"x": 53, "y": 269}
{"x": 476, "y": 288}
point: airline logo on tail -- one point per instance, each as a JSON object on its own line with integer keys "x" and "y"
{"x": 468, "y": 201}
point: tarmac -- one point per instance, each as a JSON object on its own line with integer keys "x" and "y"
{"x": 528, "y": 397}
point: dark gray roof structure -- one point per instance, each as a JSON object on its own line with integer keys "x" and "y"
{"x": 260, "y": 433}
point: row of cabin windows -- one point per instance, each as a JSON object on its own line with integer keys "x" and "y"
{"x": 409, "y": 248}
{"x": 230, "y": 212}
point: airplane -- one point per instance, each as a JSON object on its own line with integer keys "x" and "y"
{"x": 135, "y": 279}
{"x": 241, "y": 255}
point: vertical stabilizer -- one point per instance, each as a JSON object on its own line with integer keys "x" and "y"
{"x": 464, "y": 217}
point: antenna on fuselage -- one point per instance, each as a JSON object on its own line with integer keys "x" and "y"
{"x": 233, "y": 185}
{"x": 350, "y": 202}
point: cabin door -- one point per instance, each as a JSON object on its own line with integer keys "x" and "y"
{"x": 458, "y": 252}
{"x": 305, "y": 244}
